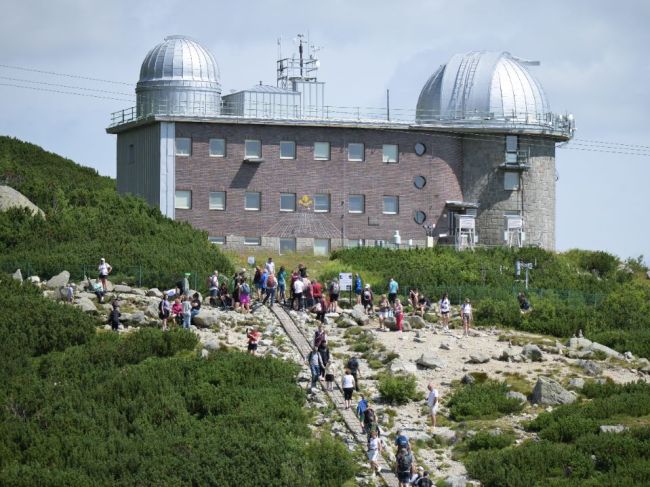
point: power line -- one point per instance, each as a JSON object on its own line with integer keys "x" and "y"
{"x": 600, "y": 142}
{"x": 90, "y": 95}
{"x": 22, "y": 80}
{"x": 54, "y": 73}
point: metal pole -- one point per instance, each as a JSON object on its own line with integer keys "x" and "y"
{"x": 388, "y": 105}
{"x": 526, "y": 278}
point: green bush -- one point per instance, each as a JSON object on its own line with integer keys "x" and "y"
{"x": 482, "y": 401}
{"x": 485, "y": 440}
{"x": 397, "y": 388}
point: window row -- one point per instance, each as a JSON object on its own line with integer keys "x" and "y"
{"x": 253, "y": 150}
{"x": 321, "y": 245}
{"x": 321, "y": 203}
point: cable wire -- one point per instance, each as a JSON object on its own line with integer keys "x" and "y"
{"x": 54, "y": 73}
{"x": 22, "y": 80}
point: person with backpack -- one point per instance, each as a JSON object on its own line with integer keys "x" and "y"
{"x": 374, "y": 450}
{"x": 282, "y": 285}
{"x": 114, "y": 317}
{"x": 270, "y": 286}
{"x": 358, "y": 287}
{"x": 402, "y": 441}
{"x": 164, "y": 310}
{"x": 347, "y": 383}
{"x": 370, "y": 422}
{"x": 366, "y": 299}
{"x": 213, "y": 287}
{"x": 362, "y": 406}
{"x": 245, "y": 296}
{"x": 315, "y": 364}
{"x": 334, "y": 290}
{"x": 423, "y": 480}
{"x": 404, "y": 467}
{"x": 353, "y": 365}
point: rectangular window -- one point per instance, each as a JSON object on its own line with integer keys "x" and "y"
{"x": 217, "y": 147}
{"x": 321, "y": 151}
{"x": 217, "y": 240}
{"x": 287, "y": 149}
{"x": 183, "y": 200}
{"x": 390, "y": 154}
{"x": 252, "y": 201}
{"x": 356, "y": 203}
{"x": 391, "y": 205}
{"x": 287, "y": 245}
{"x": 287, "y": 201}
{"x": 131, "y": 154}
{"x": 356, "y": 242}
{"x": 218, "y": 200}
{"x": 252, "y": 149}
{"x": 252, "y": 241}
{"x": 183, "y": 146}
{"x": 321, "y": 203}
{"x": 321, "y": 246}
{"x": 510, "y": 181}
{"x": 356, "y": 151}
{"x": 511, "y": 143}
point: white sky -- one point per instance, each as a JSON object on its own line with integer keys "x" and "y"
{"x": 594, "y": 56}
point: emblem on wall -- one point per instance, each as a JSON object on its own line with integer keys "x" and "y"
{"x": 306, "y": 202}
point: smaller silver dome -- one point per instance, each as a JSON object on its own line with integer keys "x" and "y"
{"x": 179, "y": 77}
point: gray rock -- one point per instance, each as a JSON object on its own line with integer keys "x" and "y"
{"x": 455, "y": 481}
{"x": 415, "y": 322}
{"x": 154, "y": 292}
{"x": 577, "y": 383}
{"x": 612, "y": 428}
{"x": 86, "y": 305}
{"x": 345, "y": 322}
{"x": 591, "y": 368}
{"x": 206, "y": 318}
{"x": 10, "y": 198}
{"x": 359, "y": 315}
{"x": 468, "y": 379}
{"x": 549, "y": 392}
{"x": 58, "y": 281}
{"x": 478, "y": 358}
{"x": 628, "y": 356}
{"x": 579, "y": 343}
{"x": 445, "y": 346}
{"x": 34, "y": 280}
{"x": 579, "y": 353}
{"x": 610, "y": 352}
{"x": 136, "y": 318}
{"x": 390, "y": 323}
{"x": 429, "y": 361}
{"x": 152, "y": 310}
{"x": 210, "y": 343}
{"x": 204, "y": 353}
{"x": 508, "y": 355}
{"x": 402, "y": 366}
{"x": 516, "y": 395}
{"x": 420, "y": 339}
{"x": 121, "y": 288}
{"x": 17, "y": 276}
{"x": 532, "y": 353}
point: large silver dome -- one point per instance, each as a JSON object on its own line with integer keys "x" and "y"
{"x": 483, "y": 85}
{"x": 179, "y": 77}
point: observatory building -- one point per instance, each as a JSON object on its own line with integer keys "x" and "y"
{"x": 277, "y": 167}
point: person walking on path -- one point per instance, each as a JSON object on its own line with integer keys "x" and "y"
{"x": 366, "y": 299}
{"x": 353, "y": 366}
{"x": 298, "y": 288}
{"x": 271, "y": 286}
{"x": 164, "y": 310}
{"x": 399, "y": 317}
{"x": 404, "y": 467}
{"x": 393, "y": 288}
{"x": 104, "y": 269}
{"x": 433, "y": 400}
{"x": 358, "y": 287}
{"x": 348, "y": 387}
{"x": 384, "y": 310}
{"x": 334, "y": 290}
{"x": 402, "y": 441}
{"x": 282, "y": 285}
{"x": 445, "y": 308}
{"x": 466, "y": 311}
{"x": 187, "y": 312}
{"x": 315, "y": 365}
{"x": 374, "y": 450}
{"x": 362, "y": 405}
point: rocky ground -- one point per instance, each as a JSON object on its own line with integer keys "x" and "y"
{"x": 541, "y": 371}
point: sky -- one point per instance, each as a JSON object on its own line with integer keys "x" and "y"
{"x": 594, "y": 57}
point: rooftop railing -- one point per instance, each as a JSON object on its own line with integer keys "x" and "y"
{"x": 545, "y": 122}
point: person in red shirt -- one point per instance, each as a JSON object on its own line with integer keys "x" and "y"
{"x": 253, "y": 337}
{"x": 177, "y": 311}
{"x": 316, "y": 290}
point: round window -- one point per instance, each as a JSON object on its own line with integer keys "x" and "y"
{"x": 420, "y": 148}
{"x": 420, "y": 217}
{"x": 419, "y": 181}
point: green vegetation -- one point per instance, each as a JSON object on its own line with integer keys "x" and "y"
{"x": 482, "y": 400}
{"x": 86, "y": 219}
{"x": 397, "y": 388}
{"x": 82, "y": 408}
{"x": 572, "y": 450}
{"x": 486, "y": 440}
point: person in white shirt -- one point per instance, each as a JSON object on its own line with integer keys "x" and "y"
{"x": 445, "y": 307}
{"x": 433, "y": 399}
{"x": 270, "y": 266}
{"x": 374, "y": 448}
{"x": 348, "y": 386}
{"x": 298, "y": 288}
{"x": 466, "y": 311}
{"x": 104, "y": 269}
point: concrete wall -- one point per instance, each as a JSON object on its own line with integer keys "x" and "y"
{"x": 483, "y": 182}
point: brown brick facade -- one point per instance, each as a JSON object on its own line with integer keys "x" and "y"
{"x": 441, "y": 165}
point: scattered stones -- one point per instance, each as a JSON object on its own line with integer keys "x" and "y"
{"x": 154, "y": 292}
{"x": 58, "y": 281}
{"x": 591, "y": 368}
{"x": 478, "y": 358}
{"x": 17, "y": 276}
{"x": 429, "y": 361}
{"x": 206, "y": 318}
{"x": 204, "y": 353}
{"x": 468, "y": 379}
{"x": 121, "y": 288}
{"x": 532, "y": 352}
{"x": 445, "y": 346}
{"x": 612, "y": 428}
{"x": 508, "y": 355}
{"x": 359, "y": 315}
{"x": 549, "y": 392}
{"x": 402, "y": 366}
{"x": 517, "y": 395}
{"x": 628, "y": 356}
{"x": 577, "y": 383}
{"x": 455, "y": 481}
{"x": 345, "y": 322}
{"x": 34, "y": 280}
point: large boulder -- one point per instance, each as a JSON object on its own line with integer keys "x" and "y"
{"x": 532, "y": 352}
{"x": 121, "y": 288}
{"x": 152, "y": 310}
{"x": 478, "y": 358}
{"x": 577, "y": 383}
{"x": 206, "y": 318}
{"x": 390, "y": 323}
{"x": 580, "y": 343}
{"x": 10, "y": 198}
{"x": 17, "y": 276}
{"x": 134, "y": 319}
{"x": 516, "y": 395}
{"x": 591, "y": 368}
{"x": 549, "y": 392}
{"x": 508, "y": 355}
{"x": 345, "y": 322}
{"x": 415, "y": 322}
{"x": 58, "y": 281}
{"x": 359, "y": 315}
{"x": 154, "y": 292}
{"x": 430, "y": 361}
{"x": 610, "y": 352}
{"x": 86, "y": 305}
{"x": 402, "y": 367}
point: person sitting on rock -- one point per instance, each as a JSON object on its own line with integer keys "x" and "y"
{"x": 196, "y": 305}
{"x": 524, "y": 305}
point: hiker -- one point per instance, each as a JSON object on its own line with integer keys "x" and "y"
{"x": 257, "y": 278}
{"x": 282, "y": 284}
{"x": 384, "y": 310}
{"x": 399, "y": 317}
{"x": 414, "y": 296}
{"x": 298, "y": 288}
{"x": 270, "y": 266}
{"x": 358, "y": 287}
{"x": 370, "y": 422}
{"x": 374, "y": 449}
{"x": 104, "y": 269}
{"x": 466, "y": 311}
{"x": 224, "y": 298}
{"x": 347, "y": 383}
{"x": 245, "y": 296}
{"x": 184, "y": 284}
{"x": 316, "y": 291}
{"x": 445, "y": 307}
{"x": 253, "y": 337}
{"x": 334, "y": 290}
{"x": 329, "y": 376}
{"x": 196, "y": 305}
{"x": 69, "y": 292}
{"x": 315, "y": 364}
{"x": 302, "y": 270}
{"x": 404, "y": 466}
{"x": 353, "y": 365}
{"x": 270, "y": 286}
{"x": 362, "y": 406}
{"x": 164, "y": 310}
{"x": 423, "y": 479}
{"x": 402, "y": 441}
{"x": 114, "y": 317}
{"x": 307, "y": 292}
{"x": 393, "y": 288}
{"x": 366, "y": 299}
{"x": 262, "y": 287}
{"x": 319, "y": 308}
{"x": 423, "y": 304}
{"x": 524, "y": 305}
{"x": 213, "y": 287}
{"x": 187, "y": 312}
{"x": 98, "y": 289}
{"x": 177, "y": 311}
{"x": 433, "y": 400}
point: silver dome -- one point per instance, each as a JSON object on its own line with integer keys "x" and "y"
{"x": 483, "y": 85}
{"x": 179, "y": 77}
